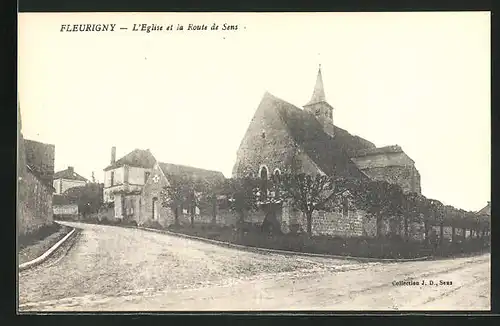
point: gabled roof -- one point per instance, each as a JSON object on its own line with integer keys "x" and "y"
{"x": 330, "y": 154}
{"x": 69, "y": 174}
{"x": 178, "y": 171}
{"x": 40, "y": 159}
{"x": 137, "y": 158}
{"x": 486, "y": 210}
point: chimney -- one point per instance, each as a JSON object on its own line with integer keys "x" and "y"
{"x": 71, "y": 169}
{"x": 113, "y": 154}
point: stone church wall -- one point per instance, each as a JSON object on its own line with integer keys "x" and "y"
{"x": 266, "y": 142}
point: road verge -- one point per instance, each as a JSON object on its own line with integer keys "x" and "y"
{"x": 46, "y": 254}
{"x": 277, "y": 251}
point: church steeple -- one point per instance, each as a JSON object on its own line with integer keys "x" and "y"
{"x": 319, "y": 91}
{"x": 319, "y": 107}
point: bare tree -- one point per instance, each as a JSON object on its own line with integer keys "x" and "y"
{"x": 308, "y": 193}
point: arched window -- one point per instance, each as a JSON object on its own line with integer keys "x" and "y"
{"x": 277, "y": 174}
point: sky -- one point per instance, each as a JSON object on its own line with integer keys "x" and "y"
{"x": 418, "y": 80}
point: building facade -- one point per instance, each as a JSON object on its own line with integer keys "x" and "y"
{"x": 124, "y": 180}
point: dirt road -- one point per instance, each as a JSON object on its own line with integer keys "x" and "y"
{"x": 116, "y": 269}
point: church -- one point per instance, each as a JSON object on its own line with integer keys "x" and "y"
{"x": 283, "y": 138}
{"x": 281, "y": 133}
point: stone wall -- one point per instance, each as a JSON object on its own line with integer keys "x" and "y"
{"x": 34, "y": 204}
{"x": 267, "y": 142}
{"x": 34, "y": 197}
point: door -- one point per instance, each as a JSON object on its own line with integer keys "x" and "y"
{"x": 155, "y": 209}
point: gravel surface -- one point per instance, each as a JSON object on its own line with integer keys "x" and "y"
{"x": 112, "y": 268}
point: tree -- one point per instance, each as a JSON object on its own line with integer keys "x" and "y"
{"x": 174, "y": 195}
{"x": 88, "y": 197}
{"x": 308, "y": 193}
{"x": 381, "y": 200}
{"x": 242, "y": 195}
{"x": 437, "y": 213}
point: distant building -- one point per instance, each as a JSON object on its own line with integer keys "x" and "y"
{"x": 66, "y": 179}
{"x": 35, "y": 170}
{"x": 124, "y": 180}
{"x": 485, "y": 211}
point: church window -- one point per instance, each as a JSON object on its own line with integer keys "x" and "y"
{"x": 345, "y": 207}
{"x": 146, "y": 176}
{"x": 263, "y": 134}
{"x": 277, "y": 174}
{"x": 112, "y": 177}
{"x": 263, "y": 180}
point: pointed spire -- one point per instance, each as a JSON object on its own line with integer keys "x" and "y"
{"x": 319, "y": 91}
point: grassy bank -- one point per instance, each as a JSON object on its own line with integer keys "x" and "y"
{"x": 34, "y": 245}
{"x": 383, "y": 248}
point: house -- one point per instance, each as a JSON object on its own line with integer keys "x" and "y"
{"x": 284, "y": 138}
{"x": 124, "y": 180}
{"x": 35, "y": 170}
{"x": 485, "y": 211}
{"x": 164, "y": 174}
{"x": 484, "y": 216}
{"x": 66, "y": 179}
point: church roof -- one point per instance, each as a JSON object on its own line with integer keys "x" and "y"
{"x": 137, "y": 158}
{"x": 69, "y": 174}
{"x": 319, "y": 90}
{"x": 378, "y": 150}
{"x": 330, "y": 154}
{"x": 178, "y": 171}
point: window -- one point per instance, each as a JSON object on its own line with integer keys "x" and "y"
{"x": 318, "y": 111}
{"x": 277, "y": 174}
{"x": 263, "y": 180}
{"x": 112, "y": 177}
{"x": 146, "y": 176}
{"x": 263, "y": 134}
{"x": 345, "y": 207}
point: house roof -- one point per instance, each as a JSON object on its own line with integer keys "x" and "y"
{"x": 176, "y": 171}
{"x": 69, "y": 174}
{"x": 330, "y": 154}
{"x": 40, "y": 160}
{"x": 138, "y": 158}
{"x": 486, "y": 210}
